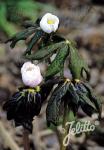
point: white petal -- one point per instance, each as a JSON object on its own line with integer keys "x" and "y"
{"x": 55, "y": 27}
{"x": 25, "y": 65}
{"x": 45, "y": 26}
{"x": 31, "y": 75}
{"x": 31, "y": 79}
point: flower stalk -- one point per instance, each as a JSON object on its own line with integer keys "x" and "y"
{"x": 26, "y": 139}
{"x": 65, "y": 119}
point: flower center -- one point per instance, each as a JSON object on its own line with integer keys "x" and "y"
{"x": 49, "y": 21}
{"x": 77, "y": 80}
{"x": 29, "y": 69}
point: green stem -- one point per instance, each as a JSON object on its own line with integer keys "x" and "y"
{"x": 62, "y": 147}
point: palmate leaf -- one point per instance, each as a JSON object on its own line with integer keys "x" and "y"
{"x": 48, "y": 86}
{"x": 77, "y": 65}
{"x": 58, "y": 63}
{"x": 95, "y": 99}
{"x": 46, "y": 89}
{"x": 20, "y": 36}
{"x": 53, "y": 107}
{"x": 87, "y": 109}
{"x": 84, "y": 98}
{"x": 87, "y": 99}
{"x": 74, "y": 95}
{"x": 73, "y": 98}
{"x": 71, "y": 101}
{"x": 35, "y": 38}
{"x": 86, "y": 104}
{"x": 28, "y": 24}
{"x": 57, "y": 38}
{"x": 79, "y": 86}
{"x": 44, "y": 52}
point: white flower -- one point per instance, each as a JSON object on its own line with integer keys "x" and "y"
{"x": 31, "y": 75}
{"x": 49, "y": 23}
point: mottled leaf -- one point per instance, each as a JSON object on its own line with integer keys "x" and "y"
{"x": 44, "y": 52}
{"x": 87, "y": 100}
{"x": 29, "y": 23}
{"x": 35, "y": 38}
{"x": 73, "y": 94}
{"x": 58, "y": 63}
{"x": 20, "y": 36}
{"x": 77, "y": 64}
{"x": 53, "y": 107}
{"x": 86, "y": 104}
{"x": 71, "y": 101}
{"x": 47, "y": 87}
{"x": 88, "y": 109}
{"x": 95, "y": 99}
{"x": 79, "y": 86}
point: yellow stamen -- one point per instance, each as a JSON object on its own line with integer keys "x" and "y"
{"x": 77, "y": 80}
{"x": 50, "y": 21}
{"x": 67, "y": 80}
{"x": 37, "y": 88}
{"x": 67, "y": 42}
{"x": 31, "y": 90}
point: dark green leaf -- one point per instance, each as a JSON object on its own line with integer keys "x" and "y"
{"x": 36, "y": 37}
{"x": 88, "y": 109}
{"x": 53, "y": 107}
{"x": 73, "y": 94}
{"x": 84, "y": 98}
{"x": 29, "y": 23}
{"x": 47, "y": 87}
{"x": 57, "y": 38}
{"x": 20, "y": 36}
{"x": 44, "y": 52}
{"x": 76, "y": 64}
{"x": 79, "y": 86}
{"x": 71, "y": 98}
{"x": 58, "y": 63}
{"x": 86, "y": 104}
{"x": 96, "y": 100}
{"x": 71, "y": 101}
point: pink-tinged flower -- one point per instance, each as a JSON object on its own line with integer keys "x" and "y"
{"x": 31, "y": 75}
{"x": 49, "y": 23}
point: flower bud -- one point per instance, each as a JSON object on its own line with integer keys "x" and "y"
{"x": 31, "y": 75}
{"x": 49, "y": 23}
